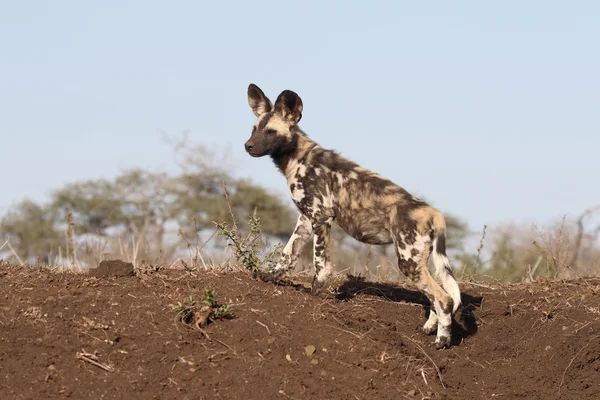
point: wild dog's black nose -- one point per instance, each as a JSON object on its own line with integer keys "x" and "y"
{"x": 249, "y": 146}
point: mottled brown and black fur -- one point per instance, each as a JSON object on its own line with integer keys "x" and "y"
{"x": 327, "y": 187}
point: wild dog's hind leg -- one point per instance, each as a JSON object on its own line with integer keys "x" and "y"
{"x": 412, "y": 261}
{"x": 291, "y": 251}
{"x": 321, "y": 255}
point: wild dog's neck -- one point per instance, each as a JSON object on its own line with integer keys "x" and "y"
{"x": 296, "y": 149}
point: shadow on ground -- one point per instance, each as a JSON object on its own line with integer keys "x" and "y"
{"x": 464, "y": 323}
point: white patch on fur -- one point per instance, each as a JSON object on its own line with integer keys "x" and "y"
{"x": 290, "y": 244}
{"x": 316, "y": 205}
{"x": 340, "y": 178}
{"x": 352, "y": 175}
{"x": 328, "y": 198}
{"x": 261, "y": 107}
{"x": 289, "y": 247}
{"x": 449, "y": 284}
{"x": 444, "y": 322}
{"x": 302, "y": 221}
{"x": 301, "y": 170}
{"x": 279, "y": 125}
{"x": 318, "y": 171}
{"x": 431, "y": 321}
{"x": 324, "y": 272}
{"x": 293, "y": 171}
{"x": 259, "y": 120}
{"x": 326, "y": 268}
{"x": 290, "y": 171}
{"x": 298, "y": 193}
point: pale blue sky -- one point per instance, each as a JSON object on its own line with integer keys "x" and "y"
{"x": 491, "y": 111}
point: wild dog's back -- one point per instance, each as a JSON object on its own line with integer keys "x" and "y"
{"x": 363, "y": 202}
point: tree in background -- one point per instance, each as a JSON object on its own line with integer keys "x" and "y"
{"x": 96, "y": 205}
{"x": 30, "y": 228}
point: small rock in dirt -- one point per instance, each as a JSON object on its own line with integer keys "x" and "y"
{"x": 412, "y": 392}
{"x": 314, "y": 361}
{"x": 309, "y": 350}
{"x": 271, "y": 341}
{"x": 112, "y": 268}
{"x": 548, "y": 347}
{"x": 288, "y": 357}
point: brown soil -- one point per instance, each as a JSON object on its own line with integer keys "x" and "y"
{"x": 74, "y": 335}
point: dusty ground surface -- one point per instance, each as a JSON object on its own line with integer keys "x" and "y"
{"x": 84, "y": 337}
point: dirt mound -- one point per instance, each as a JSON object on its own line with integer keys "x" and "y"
{"x": 108, "y": 268}
{"x": 75, "y": 335}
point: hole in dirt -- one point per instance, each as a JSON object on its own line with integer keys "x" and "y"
{"x": 464, "y": 323}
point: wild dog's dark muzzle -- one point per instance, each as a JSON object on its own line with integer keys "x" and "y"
{"x": 251, "y": 149}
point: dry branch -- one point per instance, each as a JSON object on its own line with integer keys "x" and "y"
{"x": 266, "y": 327}
{"x": 475, "y": 265}
{"x": 91, "y": 358}
{"x": 14, "y": 253}
{"x": 229, "y": 205}
{"x": 437, "y": 369}
{"x": 5, "y": 243}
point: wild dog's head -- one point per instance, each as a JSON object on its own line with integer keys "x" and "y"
{"x": 273, "y": 132}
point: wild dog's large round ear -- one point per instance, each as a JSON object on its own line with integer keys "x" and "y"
{"x": 289, "y": 105}
{"x": 257, "y": 100}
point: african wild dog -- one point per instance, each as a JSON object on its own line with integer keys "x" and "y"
{"x": 327, "y": 187}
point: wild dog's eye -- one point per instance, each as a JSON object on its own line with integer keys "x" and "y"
{"x": 270, "y": 131}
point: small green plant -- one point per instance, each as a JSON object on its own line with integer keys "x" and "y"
{"x": 218, "y": 310}
{"x": 209, "y": 297}
{"x": 185, "y": 310}
{"x": 208, "y": 310}
{"x": 246, "y": 250}
{"x": 273, "y": 256}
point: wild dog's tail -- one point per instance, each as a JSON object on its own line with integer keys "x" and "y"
{"x": 443, "y": 270}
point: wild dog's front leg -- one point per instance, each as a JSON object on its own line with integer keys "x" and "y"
{"x": 321, "y": 255}
{"x": 291, "y": 252}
